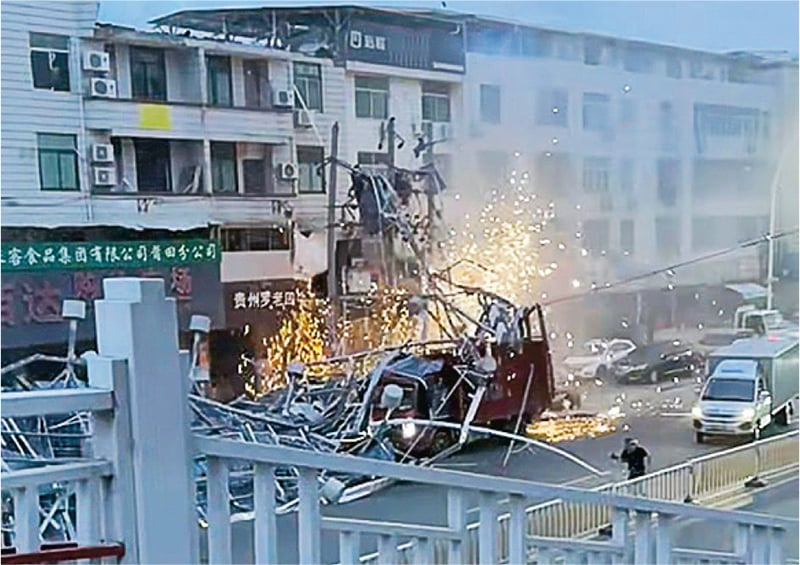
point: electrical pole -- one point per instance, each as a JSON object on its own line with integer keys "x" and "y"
{"x": 389, "y": 237}
{"x": 333, "y": 288}
{"x": 773, "y": 200}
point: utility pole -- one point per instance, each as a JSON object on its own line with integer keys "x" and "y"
{"x": 773, "y": 200}
{"x": 333, "y": 288}
{"x": 389, "y": 237}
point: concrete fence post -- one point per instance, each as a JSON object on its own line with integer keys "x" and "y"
{"x": 137, "y": 323}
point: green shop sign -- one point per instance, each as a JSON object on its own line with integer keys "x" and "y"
{"x": 107, "y": 255}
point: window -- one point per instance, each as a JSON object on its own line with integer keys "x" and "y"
{"x": 551, "y": 107}
{"x": 595, "y": 235}
{"x": 50, "y": 61}
{"x": 596, "y": 173}
{"x": 220, "y": 90}
{"x": 311, "y": 176}
{"x": 223, "y": 168}
{"x": 626, "y": 176}
{"x": 674, "y": 67}
{"x": 596, "y": 111}
{"x": 308, "y": 81}
{"x": 669, "y": 139}
{"x": 254, "y": 176}
{"x": 553, "y": 173}
{"x": 374, "y": 163}
{"x": 668, "y": 237}
{"x": 257, "y": 90}
{"x": 152, "y": 165}
{"x": 594, "y": 51}
{"x": 435, "y": 102}
{"x": 626, "y": 236}
{"x": 490, "y": 103}
{"x": 148, "y": 74}
{"x": 58, "y": 162}
{"x": 669, "y": 181}
{"x": 256, "y": 239}
{"x": 372, "y": 97}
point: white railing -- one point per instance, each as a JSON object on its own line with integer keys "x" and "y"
{"x": 642, "y": 531}
{"x": 137, "y": 488}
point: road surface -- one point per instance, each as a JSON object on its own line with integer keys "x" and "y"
{"x": 658, "y": 416}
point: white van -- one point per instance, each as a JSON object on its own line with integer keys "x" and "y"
{"x": 734, "y": 401}
{"x": 750, "y": 382}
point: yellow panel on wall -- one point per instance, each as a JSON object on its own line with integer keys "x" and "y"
{"x": 155, "y": 116}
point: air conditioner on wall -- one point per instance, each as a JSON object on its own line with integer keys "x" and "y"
{"x": 302, "y": 119}
{"x": 288, "y": 171}
{"x": 96, "y": 61}
{"x": 104, "y": 88}
{"x": 103, "y": 153}
{"x": 105, "y": 176}
{"x": 283, "y": 99}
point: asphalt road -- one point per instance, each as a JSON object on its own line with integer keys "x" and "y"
{"x": 657, "y": 416}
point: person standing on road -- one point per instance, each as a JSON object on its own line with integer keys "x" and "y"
{"x": 635, "y": 457}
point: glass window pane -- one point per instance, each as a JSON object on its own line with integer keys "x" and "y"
{"x": 49, "y": 41}
{"x": 442, "y": 109}
{"x": 48, "y": 169}
{"x": 428, "y": 108}
{"x": 362, "y": 104}
{"x": 69, "y": 176}
{"x": 314, "y": 99}
{"x": 55, "y": 141}
{"x": 380, "y": 106}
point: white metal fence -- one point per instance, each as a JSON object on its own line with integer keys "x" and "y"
{"x": 138, "y": 489}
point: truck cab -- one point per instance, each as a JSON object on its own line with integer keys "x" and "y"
{"x": 734, "y": 401}
{"x": 760, "y": 322}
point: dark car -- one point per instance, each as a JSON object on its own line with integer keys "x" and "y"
{"x": 653, "y": 363}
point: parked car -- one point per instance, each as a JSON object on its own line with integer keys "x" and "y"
{"x": 659, "y": 361}
{"x": 597, "y": 356}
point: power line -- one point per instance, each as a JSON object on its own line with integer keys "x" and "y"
{"x": 664, "y": 270}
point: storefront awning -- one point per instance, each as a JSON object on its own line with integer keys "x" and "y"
{"x": 749, "y": 291}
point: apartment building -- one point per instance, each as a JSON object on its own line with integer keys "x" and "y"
{"x": 130, "y": 152}
{"x": 192, "y": 150}
{"x": 653, "y": 154}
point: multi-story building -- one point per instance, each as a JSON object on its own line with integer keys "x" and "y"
{"x": 212, "y": 127}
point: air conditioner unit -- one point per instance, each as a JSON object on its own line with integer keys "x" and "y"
{"x": 96, "y": 61}
{"x": 105, "y": 176}
{"x": 288, "y": 171}
{"x": 104, "y": 88}
{"x": 284, "y": 99}
{"x": 103, "y": 153}
{"x": 302, "y": 119}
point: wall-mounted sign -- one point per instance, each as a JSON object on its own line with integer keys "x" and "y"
{"x": 31, "y": 301}
{"x": 155, "y": 116}
{"x": 427, "y": 47}
{"x": 107, "y": 255}
{"x": 265, "y": 299}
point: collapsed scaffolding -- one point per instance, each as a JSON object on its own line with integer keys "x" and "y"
{"x": 416, "y": 403}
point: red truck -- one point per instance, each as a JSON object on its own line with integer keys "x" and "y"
{"x": 450, "y": 386}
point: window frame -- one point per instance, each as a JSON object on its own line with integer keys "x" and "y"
{"x": 372, "y": 92}
{"x": 549, "y": 98}
{"x": 216, "y": 171}
{"x": 487, "y": 113}
{"x": 137, "y": 143}
{"x": 244, "y": 235}
{"x": 59, "y": 152}
{"x": 35, "y": 49}
{"x": 596, "y": 178}
{"x": 627, "y": 223}
{"x": 212, "y": 72}
{"x": 596, "y": 101}
{"x": 160, "y": 65}
{"x": 436, "y": 93}
{"x": 304, "y": 82}
{"x": 304, "y": 151}
{"x": 262, "y": 83}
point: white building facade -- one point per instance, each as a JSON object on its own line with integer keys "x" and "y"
{"x": 653, "y": 154}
